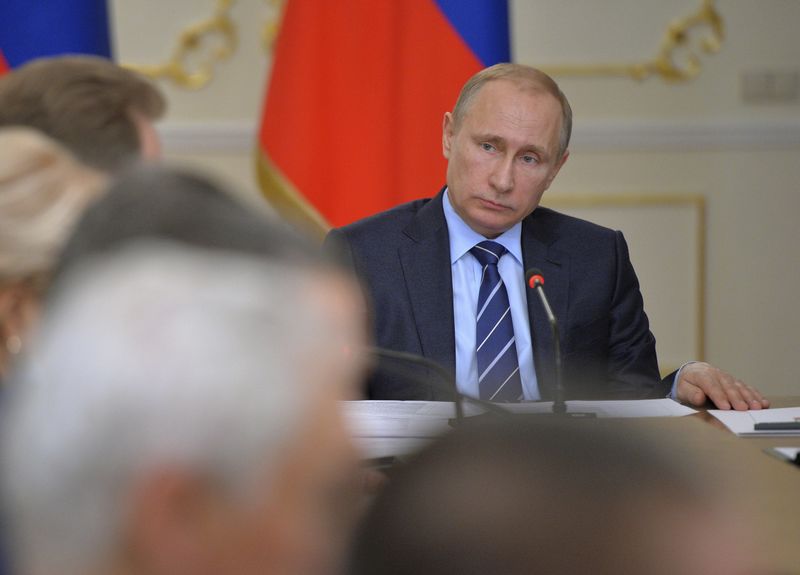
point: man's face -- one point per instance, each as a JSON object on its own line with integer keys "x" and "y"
{"x": 297, "y": 517}
{"x": 502, "y": 156}
{"x": 294, "y": 520}
{"x": 301, "y": 519}
{"x": 302, "y": 524}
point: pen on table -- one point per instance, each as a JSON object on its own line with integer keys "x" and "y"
{"x": 777, "y": 426}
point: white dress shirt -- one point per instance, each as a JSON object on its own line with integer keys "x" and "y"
{"x": 467, "y": 274}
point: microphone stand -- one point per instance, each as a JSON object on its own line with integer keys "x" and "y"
{"x": 560, "y": 404}
{"x": 535, "y": 281}
{"x": 444, "y": 376}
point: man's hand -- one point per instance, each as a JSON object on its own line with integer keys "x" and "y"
{"x": 700, "y": 382}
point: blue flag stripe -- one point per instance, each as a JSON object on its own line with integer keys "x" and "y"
{"x": 483, "y": 24}
{"x": 32, "y": 29}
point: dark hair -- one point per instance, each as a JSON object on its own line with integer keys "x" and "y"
{"x": 158, "y": 202}
{"x": 87, "y": 103}
{"x": 521, "y": 496}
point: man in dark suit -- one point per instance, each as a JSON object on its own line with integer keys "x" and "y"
{"x": 446, "y": 276}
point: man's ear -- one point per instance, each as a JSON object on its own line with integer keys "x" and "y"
{"x": 557, "y": 168}
{"x": 150, "y": 148}
{"x": 8, "y": 302}
{"x": 448, "y": 130}
{"x": 19, "y": 308}
{"x": 172, "y": 516}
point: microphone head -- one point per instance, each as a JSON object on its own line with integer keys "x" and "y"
{"x": 534, "y": 278}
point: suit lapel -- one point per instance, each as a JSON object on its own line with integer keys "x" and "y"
{"x": 537, "y": 252}
{"x": 428, "y": 277}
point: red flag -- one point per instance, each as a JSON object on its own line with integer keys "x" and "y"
{"x": 353, "y": 115}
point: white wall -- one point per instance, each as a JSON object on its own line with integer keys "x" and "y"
{"x": 631, "y": 137}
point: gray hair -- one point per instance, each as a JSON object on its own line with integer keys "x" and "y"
{"x": 161, "y": 355}
{"x": 43, "y": 192}
{"x": 525, "y": 77}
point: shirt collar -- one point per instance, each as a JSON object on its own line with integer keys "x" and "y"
{"x": 463, "y": 238}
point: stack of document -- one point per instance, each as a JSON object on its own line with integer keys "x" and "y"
{"x": 391, "y": 429}
{"x": 743, "y": 423}
{"x": 790, "y": 454}
{"x": 397, "y": 428}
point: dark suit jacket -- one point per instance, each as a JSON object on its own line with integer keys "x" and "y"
{"x": 403, "y": 258}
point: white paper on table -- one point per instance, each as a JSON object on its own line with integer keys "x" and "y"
{"x": 374, "y": 408}
{"x": 632, "y": 408}
{"x": 432, "y": 418}
{"x": 399, "y": 428}
{"x": 384, "y": 426}
{"x": 742, "y": 422}
{"x": 623, "y": 408}
{"x": 788, "y": 452}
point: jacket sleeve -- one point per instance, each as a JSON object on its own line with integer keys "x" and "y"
{"x": 632, "y": 361}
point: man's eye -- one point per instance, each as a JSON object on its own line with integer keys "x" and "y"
{"x": 528, "y": 159}
{"x": 488, "y": 147}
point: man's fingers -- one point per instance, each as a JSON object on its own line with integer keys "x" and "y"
{"x": 732, "y": 389}
{"x": 698, "y": 398}
{"x": 716, "y": 393}
{"x": 729, "y": 393}
{"x": 712, "y": 382}
{"x": 751, "y": 396}
{"x": 690, "y": 393}
{"x": 742, "y": 396}
{"x": 701, "y": 381}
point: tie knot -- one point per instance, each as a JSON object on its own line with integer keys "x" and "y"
{"x": 488, "y": 252}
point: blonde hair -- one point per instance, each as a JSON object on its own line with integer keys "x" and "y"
{"x": 43, "y": 192}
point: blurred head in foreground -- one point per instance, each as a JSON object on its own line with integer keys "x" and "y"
{"x": 101, "y": 112}
{"x": 43, "y": 191}
{"x": 519, "y": 496}
{"x": 178, "y": 415}
{"x": 163, "y": 202}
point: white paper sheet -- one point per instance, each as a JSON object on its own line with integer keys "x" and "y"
{"x": 638, "y": 408}
{"x": 430, "y": 418}
{"x": 742, "y": 422}
{"x": 400, "y": 428}
{"x": 787, "y": 452}
{"x": 400, "y": 408}
{"x": 385, "y": 426}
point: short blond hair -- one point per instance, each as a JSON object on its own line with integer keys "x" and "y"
{"x": 524, "y": 76}
{"x": 43, "y": 192}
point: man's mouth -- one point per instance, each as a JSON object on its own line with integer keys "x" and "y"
{"x": 492, "y": 205}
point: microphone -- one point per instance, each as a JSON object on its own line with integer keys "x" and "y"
{"x": 444, "y": 381}
{"x": 535, "y": 281}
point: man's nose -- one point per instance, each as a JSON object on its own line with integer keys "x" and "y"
{"x": 502, "y": 176}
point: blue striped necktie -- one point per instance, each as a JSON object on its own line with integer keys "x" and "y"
{"x": 498, "y": 366}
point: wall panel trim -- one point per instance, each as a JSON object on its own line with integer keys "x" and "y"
{"x": 589, "y": 136}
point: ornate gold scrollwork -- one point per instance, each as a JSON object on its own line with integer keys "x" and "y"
{"x": 192, "y": 62}
{"x": 273, "y": 24}
{"x": 676, "y": 61}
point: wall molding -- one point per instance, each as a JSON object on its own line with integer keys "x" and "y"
{"x": 589, "y": 136}
{"x": 685, "y": 135}
{"x": 213, "y": 136}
